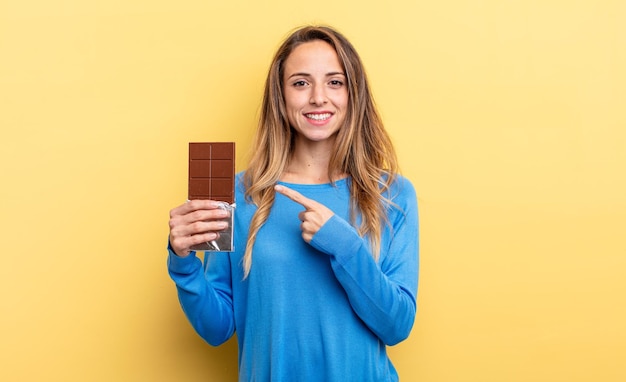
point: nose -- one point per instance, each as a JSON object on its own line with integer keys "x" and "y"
{"x": 318, "y": 95}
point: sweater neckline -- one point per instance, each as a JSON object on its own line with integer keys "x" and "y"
{"x": 309, "y": 186}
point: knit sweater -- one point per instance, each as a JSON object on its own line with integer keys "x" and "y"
{"x": 318, "y": 311}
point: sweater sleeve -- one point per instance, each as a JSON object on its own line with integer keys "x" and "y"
{"x": 383, "y": 294}
{"x": 207, "y": 302}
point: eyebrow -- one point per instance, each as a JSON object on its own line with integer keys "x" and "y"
{"x": 303, "y": 74}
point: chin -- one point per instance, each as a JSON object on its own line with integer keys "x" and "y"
{"x": 319, "y": 138}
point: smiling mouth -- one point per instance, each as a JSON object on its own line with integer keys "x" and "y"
{"x": 319, "y": 117}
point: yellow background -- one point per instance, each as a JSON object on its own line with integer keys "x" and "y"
{"x": 508, "y": 116}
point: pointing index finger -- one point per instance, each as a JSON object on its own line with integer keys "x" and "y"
{"x": 296, "y": 196}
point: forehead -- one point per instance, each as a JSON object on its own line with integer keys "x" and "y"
{"x": 312, "y": 57}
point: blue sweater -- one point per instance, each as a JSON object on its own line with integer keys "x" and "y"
{"x": 323, "y": 311}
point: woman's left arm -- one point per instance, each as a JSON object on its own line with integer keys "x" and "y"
{"x": 383, "y": 294}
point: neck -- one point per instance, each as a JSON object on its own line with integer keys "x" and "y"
{"x": 308, "y": 163}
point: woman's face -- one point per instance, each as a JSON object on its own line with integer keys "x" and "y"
{"x": 315, "y": 90}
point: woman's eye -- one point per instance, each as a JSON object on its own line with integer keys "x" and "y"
{"x": 299, "y": 83}
{"x": 336, "y": 83}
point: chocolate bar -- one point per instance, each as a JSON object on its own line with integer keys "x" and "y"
{"x": 212, "y": 176}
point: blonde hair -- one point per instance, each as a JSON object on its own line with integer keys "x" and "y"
{"x": 363, "y": 150}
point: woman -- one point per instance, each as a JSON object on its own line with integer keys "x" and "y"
{"x": 325, "y": 268}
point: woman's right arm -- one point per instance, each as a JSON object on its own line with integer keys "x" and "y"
{"x": 207, "y": 305}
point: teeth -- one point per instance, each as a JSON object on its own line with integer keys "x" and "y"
{"x": 318, "y": 117}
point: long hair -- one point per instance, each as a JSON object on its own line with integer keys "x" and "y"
{"x": 363, "y": 150}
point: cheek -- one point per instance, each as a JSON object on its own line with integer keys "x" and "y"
{"x": 341, "y": 100}
{"x": 291, "y": 112}
{"x": 292, "y": 101}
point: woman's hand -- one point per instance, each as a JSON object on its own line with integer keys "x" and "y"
{"x": 313, "y": 217}
{"x": 195, "y": 222}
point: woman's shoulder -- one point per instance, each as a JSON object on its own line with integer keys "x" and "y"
{"x": 401, "y": 194}
{"x": 239, "y": 182}
{"x": 401, "y": 185}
